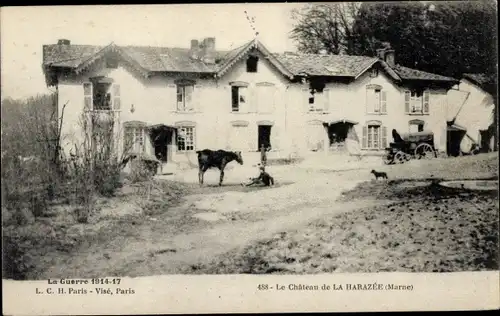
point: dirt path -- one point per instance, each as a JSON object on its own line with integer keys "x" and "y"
{"x": 155, "y": 247}
{"x": 201, "y": 247}
{"x": 176, "y": 240}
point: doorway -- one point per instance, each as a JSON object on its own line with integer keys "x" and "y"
{"x": 264, "y": 137}
{"x": 162, "y": 139}
{"x": 486, "y": 140}
{"x": 337, "y": 133}
{"x": 453, "y": 144}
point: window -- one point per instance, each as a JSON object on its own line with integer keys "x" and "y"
{"x": 374, "y": 136}
{"x": 252, "y": 62}
{"x": 238, "y": 98}
{"x": 416, "y": 126}
{"x": 265, "y": 97}
{"x": 311, "y": 100}
{"x": 319, "y": 101}
{"x": 373, "y": 72}
{"x": 239, "y": 136}
{"x": 116, "y": 97}
{"x": 185, "y": 98}
{"x": 315, "y": 135}
{"x": 186, "y": 138}
{"x": 134, "y": 139}
{"x": 111, "y": 62}
{"x": 102, "y": 136}
{"x": 376, "y": 100}
{"x": 87, "y": 96}
{"x": 416, "y": 102}
{"x": 102, "y": 96}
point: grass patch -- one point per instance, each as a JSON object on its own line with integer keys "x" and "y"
{"x": 425, "y": 230}
{"x": 41, "y": 242}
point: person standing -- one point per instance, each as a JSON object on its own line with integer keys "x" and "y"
{"x": 263, "y": 156}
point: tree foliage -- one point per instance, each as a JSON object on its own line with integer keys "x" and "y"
{"x": 325, "y": 27}
{"x": 449, "y": 38}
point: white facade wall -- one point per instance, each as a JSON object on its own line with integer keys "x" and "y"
{"x": 476, "y": 113}
{"x": 154, "y": 102}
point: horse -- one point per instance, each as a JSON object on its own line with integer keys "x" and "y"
{"x": 216, "y": 158}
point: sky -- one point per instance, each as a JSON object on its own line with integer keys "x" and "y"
{"x": 24, "y": 30}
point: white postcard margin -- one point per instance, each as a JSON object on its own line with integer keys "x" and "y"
{"x": 177, "y": 294}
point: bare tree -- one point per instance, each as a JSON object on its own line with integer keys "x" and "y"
{"x": 325, "y": 27}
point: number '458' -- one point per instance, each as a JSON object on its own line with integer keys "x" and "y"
{"x": 263, "y": 287}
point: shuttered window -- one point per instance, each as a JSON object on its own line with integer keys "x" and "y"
{"x": 87, "y": 96}
{"x": 417, "y": 102}
{"x": 198, "y": 98}
{"x": 116, "y": 97}
{"x": 185, "y": 98}
{"x": 426, "y": 102}
{"x": 374, "y": 136}
{"x": 238, "y": 99}
{"x": 407, "y": 101}
{"x": 265, "y": 98}
{"x": 376, "y": 100}
{"x": 326, "y": 100}
{"x": 238, "y": 137}
{"x": 383, "y": 102}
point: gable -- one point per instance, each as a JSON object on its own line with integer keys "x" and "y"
{"x": 245, "y": 51}
{"x": 266, "y": 73}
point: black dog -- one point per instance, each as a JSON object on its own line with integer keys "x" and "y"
{"x": 382, "y": 175}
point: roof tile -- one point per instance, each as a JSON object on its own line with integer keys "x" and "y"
{"x": 480, "y": 79}
{"x": 158, "y": 59}
{"x": 325, "y": 65}
{"x": 414, "y": 74}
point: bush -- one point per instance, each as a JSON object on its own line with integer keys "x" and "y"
{"x": 107, "y": 178}
{"x": 142, "y": 169}
{"x": 16, "y": 263}
{"x": 34, "y": 172}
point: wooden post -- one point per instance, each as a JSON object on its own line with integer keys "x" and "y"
{"x": 326, "y": 140}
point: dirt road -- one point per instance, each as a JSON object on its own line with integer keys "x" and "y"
{"x": 212, "y": 221}
{"x": 234, "y": 217}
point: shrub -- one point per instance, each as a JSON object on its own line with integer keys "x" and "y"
{"x": 142, "y": 169}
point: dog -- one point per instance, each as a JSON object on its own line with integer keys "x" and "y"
{"x": 377, "y": 175}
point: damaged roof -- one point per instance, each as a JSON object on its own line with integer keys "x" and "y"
{"x": 484, "y": 81}
{"x": 326, "y": 65}
{"x": 413, "y": 74}
{"x": 149, "y": 60}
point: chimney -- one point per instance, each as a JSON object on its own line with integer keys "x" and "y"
{"x": 63, "y": 42}
{"x": 381, "y": 53}
{"x": 387, "y": 54}
{"x": 209, "y": 50}
{"x": 194, "y": 51}
{"x": 390, "y": 57}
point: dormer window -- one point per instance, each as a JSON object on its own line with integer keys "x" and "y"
{"x": 111, "y": 62}
{"x": 252, "y": 63}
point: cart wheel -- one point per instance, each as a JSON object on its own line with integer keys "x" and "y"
{"x": 388, "y": 159}
{"x": 425, "y": 151}
{"x": 400, "y": 157}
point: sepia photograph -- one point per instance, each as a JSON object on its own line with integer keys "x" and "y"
{"x": 295, "y": 146}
